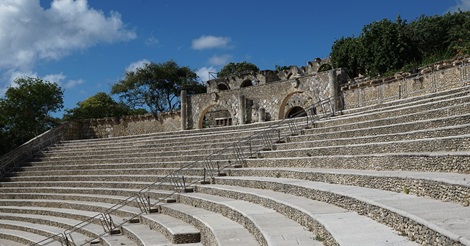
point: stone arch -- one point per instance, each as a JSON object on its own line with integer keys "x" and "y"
{"x": 220, "y": 110}
{"x": 246, "y": 83}
{"x": 325, "y": 67}
{"x": 223, "y": 87}
{"x": 296, "y": 111}
{"x": 284, "y": 103}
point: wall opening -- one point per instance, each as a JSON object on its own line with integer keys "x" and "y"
{"x": 216, "y": 118}
{"x": 296, "y": 112}
{"x": 246, "y": 83}
{"x": 222, "y": 87}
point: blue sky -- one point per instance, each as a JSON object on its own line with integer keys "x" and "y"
{"x": 86, "y": 46}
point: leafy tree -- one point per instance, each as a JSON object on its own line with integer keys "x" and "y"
{"x": 157, "y": 86}
{"x": 99, "y": 106}
{"x": 239, "y": 67}
{"x": 26, "y": 110}
{"x": 348, "y": 52}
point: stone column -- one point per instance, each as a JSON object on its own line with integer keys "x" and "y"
{"x": 242, "y": 110}
{"x": 184, "y": 110}
{"x": 261, "y": 115}
{"x": 334, "y": 89}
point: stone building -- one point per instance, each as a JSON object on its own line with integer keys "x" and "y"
{"x": 251, "y": 97}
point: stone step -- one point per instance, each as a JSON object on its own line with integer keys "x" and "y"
{"x": 101, "y": 178}
{"x": 425, "y": 220}
{"x": 143, "y": 235}
{"x": 215, "y": 228}
{"x": 337, "y": 124}
{"x": 51, "y": 225}
{"x": 27, "y": 174}
{"x": 417, "y": 161}
{"x": 35, "y": 227}
{"x": 267, "y": 226}
{"x": 5, "y": 242}
{"x": 420, "y": 125}
{"x": 23, "y": 238}
{"x": 332, "y": 225}
{"x": 123, "y": 212}
{"x": 413, "y": 100}
{"x": 446, "y": 187}
{"x": 123, "y": 159}
{"x": 177, "y": 231}
{"x": 94, "y": 191}
{"x": 224, "y": 132}
{"x": 432, "y": 144}
{"x": 432, "y": 105}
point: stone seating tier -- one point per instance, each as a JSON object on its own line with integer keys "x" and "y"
{"x": 397, "y": 173}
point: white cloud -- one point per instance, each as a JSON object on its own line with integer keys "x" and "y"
{"x": 463, "y": 5}
{"x": 219, "y": 60}
{"x": 138, "y": 64}
{"x": 30, "y": 33}
{"x": 203, "y": 73}
{"x": 152, "y": 41}
{"x": 60, "y": 80}
{"x": 210, "y": 42}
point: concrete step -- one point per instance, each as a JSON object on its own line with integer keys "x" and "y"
{"x": 437, "y": 185}
{"x": 425, "y": 220}
{"x": 417, "y": 161}
{"x": 332, "y": 225}
{"x": 177, "y": 231}
{"x": 215, "y": 228}
{"x": 267, "y": 226}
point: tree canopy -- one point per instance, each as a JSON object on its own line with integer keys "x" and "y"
{"x": 157, "y": 86}
{"x": 239, "y": 67}
{"x": 100, "y": 105}
{"x": 386, "y": 46}
{"x": 26, "y": 111}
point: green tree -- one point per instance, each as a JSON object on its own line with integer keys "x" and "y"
{"x": 26, "y": 110}
{"x": 239, "y": 67}
{"x": 157, "y": 86}
{"x": 100, "y": 105}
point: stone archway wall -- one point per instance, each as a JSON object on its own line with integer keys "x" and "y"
{"x": 273, "y": 97}
{"x": 300, "y": 99}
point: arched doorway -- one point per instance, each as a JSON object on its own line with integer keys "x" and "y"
{"x": 296, "y": 112}
{"x": 215, "y": 116}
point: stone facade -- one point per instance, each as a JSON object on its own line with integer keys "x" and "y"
{"x": 125, "y": 126}
{"x": 268, "y": 95}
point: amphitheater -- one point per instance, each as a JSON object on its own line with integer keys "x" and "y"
{"x": 385, "y": 163}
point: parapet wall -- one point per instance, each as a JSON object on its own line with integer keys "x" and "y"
{"x": 437, "y": 77}
{"x": 125, "y": 126}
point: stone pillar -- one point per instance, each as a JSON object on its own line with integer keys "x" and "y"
{"x": 261, "y": 115}
{"x": 242, "y": 110}
{"x": 184, "y": 109}
{"x": 334, "y": 89}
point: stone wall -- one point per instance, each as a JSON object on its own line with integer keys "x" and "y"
{"x": 129, "y": 125}
{"x": 437, "y": 77}
{"x": 274, "y": 99}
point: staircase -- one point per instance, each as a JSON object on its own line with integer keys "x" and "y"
{"x": 397, "y": 173}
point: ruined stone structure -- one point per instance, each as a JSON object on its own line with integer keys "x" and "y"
{"x": 268, "y": 95}
{"x": 272, "y": 95}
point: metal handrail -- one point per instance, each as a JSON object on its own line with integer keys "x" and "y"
{"x": 142, "y": 198}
